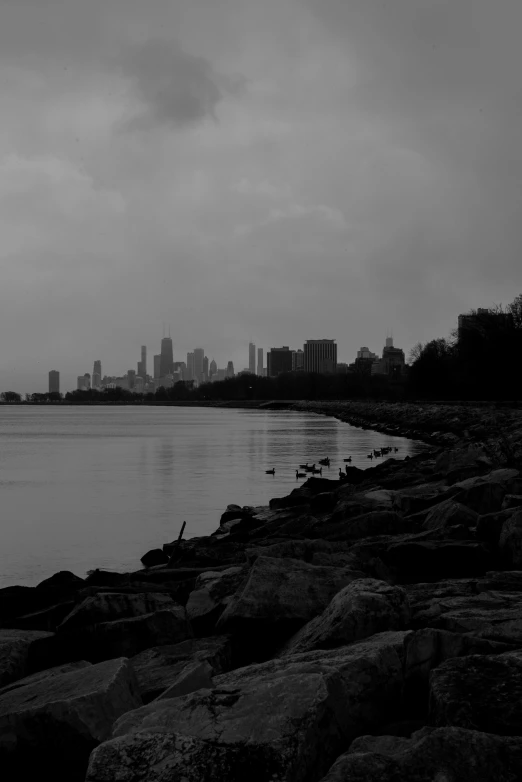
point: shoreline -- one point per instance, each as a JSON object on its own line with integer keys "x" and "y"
{"x": 362, "y": 611}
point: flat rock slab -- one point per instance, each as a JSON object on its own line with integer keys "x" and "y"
{"x": 111, "y": 606}
{"x": 49, "y": 673}
{"x": 283, "y": 721}
{"x": 496, "y": 616}
{"x": 363, "y": 608}
{"x": 68, "y": 714}
{"x": 15, "y": 650}
{"x": 158, "y": 668}
{"x": 212, "y": 593}
{"x": 122, "y": 638}
{"x": 431, "y": 755}
{"x": 480, "y": 693}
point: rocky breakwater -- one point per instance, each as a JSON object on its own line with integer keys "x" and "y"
{"x": 436, "y": 424}
{"x": 363, "y": 630}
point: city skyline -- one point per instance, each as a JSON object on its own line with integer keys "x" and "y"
{"x": 251, "y": 170}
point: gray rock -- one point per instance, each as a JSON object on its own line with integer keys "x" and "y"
{"x": 428, "y": 648}
{"x": 496, "y": 616}
{"x": 158, "y": 668}
{"x": 155, "y": 556}
{"x": 363, "y": 608}
{"x": 501, "y": 581}
{"x": 42, "y": 676}
{"x": 448, "y": 514}
{"x": 285, "y": 720}
{"x": 431, "y": 755}
{"x": 66, "y": 715}
{"x": 211, "y": 595}
{"x": 193, "y": 677}
{"x": 276, "y": 599}
{"x": 122, "y": 638}
{"x": 510, "y": 542}
{"x": 485, "y": 494}
{"x": 364, "y": 525}
{"x": 489, "y": 526}
{"x": 479, "y": 693}
{"x": 15, "y": 649}
{"x": 512, "y": 501}
{"x": 111, "y": 606}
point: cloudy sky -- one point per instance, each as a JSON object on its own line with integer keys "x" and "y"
{"x": 266, "y": 170}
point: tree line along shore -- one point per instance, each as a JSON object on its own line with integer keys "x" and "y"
{"x": 369, "y": 629}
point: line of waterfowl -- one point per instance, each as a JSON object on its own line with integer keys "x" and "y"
{"x": 311, "y": 469}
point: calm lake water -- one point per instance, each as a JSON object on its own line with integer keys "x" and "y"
{"x": 85, "y": 487}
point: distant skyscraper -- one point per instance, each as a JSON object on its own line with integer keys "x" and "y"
{"x": 297, "y": 360}
{"x": 320, "y": 355}
{"x": 190, "y": 367}
{"x": 131, "y": 377}
{"x": 205, "y": 369}
{"x": 167, "y": 357}
{"x": 84, "y": 382}
{"x": 260, "y": 361}
{"x": 199, "y": 355}
{"x": 252, "y": 358}
{"x": 157, "y": 366}
{"x": 230, "y": 369}
{"x": 212, "y": 368}
{"x": 96, "y": 374}
{"x": 54, "y": 382}
{"x": 144, "y": 361}
{"x": 278, "y": 360}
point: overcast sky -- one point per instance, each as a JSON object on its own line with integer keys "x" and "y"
{"x": 265, "y": 170}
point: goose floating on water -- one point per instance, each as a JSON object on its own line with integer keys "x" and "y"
{"x": 270, "y": 472}
{"x": 300, "y": 474}
{"x": 349, "y": 459}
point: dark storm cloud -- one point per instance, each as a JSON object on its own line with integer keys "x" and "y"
{"x": 175, "y": 87}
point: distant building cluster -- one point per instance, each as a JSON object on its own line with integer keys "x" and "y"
{"x": 316, "y": 355}
{"x": 166, "y": 372}
{"x": 391, "y": 363}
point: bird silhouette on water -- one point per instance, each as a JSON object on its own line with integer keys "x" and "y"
{"x": 270, "y": 472}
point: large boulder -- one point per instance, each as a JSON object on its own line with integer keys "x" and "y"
{"x": 413, "y": 499}
{"x": 363, "y": 608}
{"x": 423, "y": 596}
{"x": 489, "y": 526}
{"x": 479, "y": 692}
{"x": 155, "y": 556}
{"x": 275, "y": 600}
{"x": 284, "y": 720}
{"x": 510, "y": 542}
{"x": 449, "y": 514}
{"x": 16, "y": 649}
{"x": 431, "y": 755}
{"x": 212, "y": 593}
{"x": 49, "y": 727}
{"x": 306, "y": 549}
{"x": 485, "y": 494}
{"x": 501, "y": 581}
{"x": 158, "y": 668}
{"x": 111, "y": 606}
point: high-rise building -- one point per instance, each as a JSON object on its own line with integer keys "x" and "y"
{"x": 96, "y": 374}
{"x": 212, "y": 369}
{"x": 157, "y": 367}
{"x": 252, "y": 358}
{"x": 199, "y": 355}
{"x": 131, "y": 377}
{"x": 54, "y": 382}
{"x": 167, "y": 357}
{"x": 230, "y": 369}
{"x": 278, "y": 360}
{"x": 297, "y": 360}
{"x": 84, "y": 382}
{"x": 320, "y": 355}
{"x": 222, "y": 373}
{"x": 143, "y": 368}
{"x": 260, "y": 361}
{"x": 190, "y": 366}
{"x": 205, "y": 369}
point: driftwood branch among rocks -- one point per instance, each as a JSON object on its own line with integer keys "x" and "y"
{"x": 363, "y": 630}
